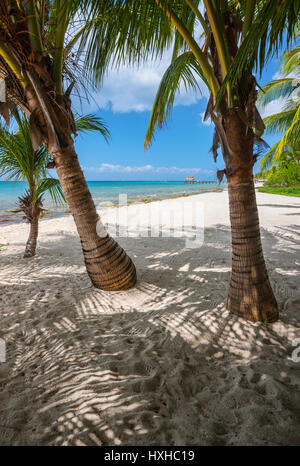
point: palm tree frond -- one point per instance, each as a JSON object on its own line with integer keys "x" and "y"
{"x": 291, "y": 136}
{"x": 90, "y": 122}
{"x": 183, "y": 69}
{"x": 14, "y": 161}
{"x": 267, "y": 161}
{"x": 275, "y": 89}
{"x": 280, "y": 122}
{"x": 52, "y": 185}
{"x": 291, "y": 61}
{"x": 273, "y": 27}
{"x": 122, "y": 31}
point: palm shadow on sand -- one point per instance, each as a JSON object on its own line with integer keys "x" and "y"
{"x": 162, "y": 364}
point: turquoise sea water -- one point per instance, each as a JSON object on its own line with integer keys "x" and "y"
{"x": 105, "y": 193}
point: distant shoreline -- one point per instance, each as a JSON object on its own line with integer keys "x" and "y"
{"x": 7, "y": 216}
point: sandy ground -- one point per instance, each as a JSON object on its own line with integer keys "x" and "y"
{"x": 161, "y": 364}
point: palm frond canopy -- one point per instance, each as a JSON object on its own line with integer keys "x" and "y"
{"x": 53, "y": 47}
{"x": 279, "y": 88}
{"x": 77, "y": 38}
{"x": 280, "y": 122}
{"x": 273, "y": 25}
{"x": 286, "y": 122}
{"x": 289, "y": 83}
{"x": 272, "y": 158}
{"x": 228, "y": 40}
{"x": 62, "y": 42}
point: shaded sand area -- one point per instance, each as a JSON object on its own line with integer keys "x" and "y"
{"x": 161, "y": 364}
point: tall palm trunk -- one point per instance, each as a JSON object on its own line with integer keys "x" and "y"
{"x": 107, "y": 264}
{"x": 250, "y": 293}
{"x": 32, "y": 239}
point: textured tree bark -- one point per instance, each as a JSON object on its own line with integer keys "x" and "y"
{"x": 107, "y": 264}
{"x": 52, "y": 124}
{"x": 32, "y": 239}
{"x": 250, "y": 293}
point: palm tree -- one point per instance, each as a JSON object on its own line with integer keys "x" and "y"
{"x": 20, "y": 162}
{"x": 47, "y": 49}
{"x": 236, "y": 36}
{"x": 273, "y": 157}
{"x": 288, "y": 120}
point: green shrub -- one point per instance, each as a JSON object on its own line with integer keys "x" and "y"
{"x": 286, "y": 174}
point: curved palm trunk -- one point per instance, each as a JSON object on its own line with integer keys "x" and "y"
{"x": 52, "y": 121}
{"x": 32, "y": 239}
{"x": 250, "y": 293}
{"x": 107, "y": 264}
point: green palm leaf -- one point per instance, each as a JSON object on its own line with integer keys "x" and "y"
{"x": 267, "y": 161}
{"x": 273, "y": 26}
{"x": 188, "y": 17}
{"x": 90, "y": 122}
{"x": 121, "y": 31}
{"x": 280, "y": 122}
{"x": 53, "y": 187}
{"x": 19, "y": 161}
{"x": 184, "y": 69}
{"x": 287, "y": 121}
{"x": 283, "y": 87}
{"x": 15, "y": 160}
{"x": 291, "y": 136}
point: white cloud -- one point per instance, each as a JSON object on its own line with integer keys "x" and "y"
{"x": 134, "y": 88}
{"x": 275, "y": 106}
{"x": 110, "y": 168}
{"x": 207, "y": 122}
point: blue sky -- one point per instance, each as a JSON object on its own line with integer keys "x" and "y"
{"x": 179, "y": 149}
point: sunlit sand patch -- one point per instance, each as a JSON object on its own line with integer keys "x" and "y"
{"x": 161, "y": 364}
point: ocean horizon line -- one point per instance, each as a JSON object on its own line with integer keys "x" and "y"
{"x": 120, "y": 181}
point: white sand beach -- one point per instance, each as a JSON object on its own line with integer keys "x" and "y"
{"x": 161, "y": 364}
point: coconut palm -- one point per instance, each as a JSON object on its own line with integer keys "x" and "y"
{"x": 287, "y": 121}
{"x": 47, "y": 49}
{"x": 235, "y": 36}
{"x": 273, "y": 157}
{"x": 20, "y": 162}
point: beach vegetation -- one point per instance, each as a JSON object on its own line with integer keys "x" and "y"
{"x": 285, "y": 173}
{"x": 288, "y": 191}
{"x": 287, "y": 121}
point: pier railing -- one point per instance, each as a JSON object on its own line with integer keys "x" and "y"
{"x": 204, "y": 182}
